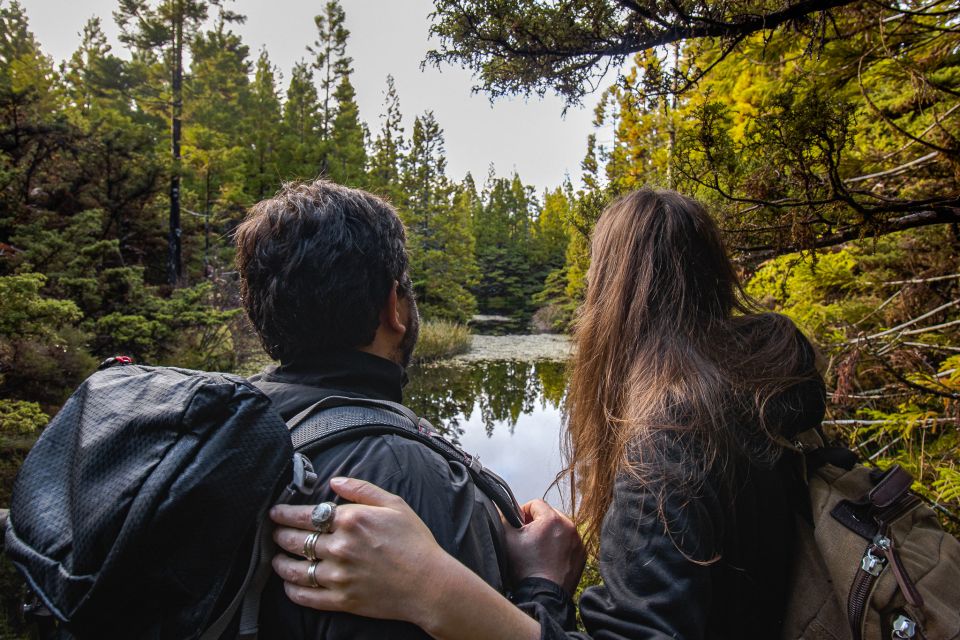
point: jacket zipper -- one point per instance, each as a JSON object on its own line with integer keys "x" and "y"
{"x": 871, "y": 566}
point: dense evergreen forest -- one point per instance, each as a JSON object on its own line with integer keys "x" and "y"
{"x": 822, "y": 134}
{"x": 111, "y": 243}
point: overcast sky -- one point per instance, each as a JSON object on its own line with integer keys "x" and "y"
{"x": 387, "y": 37}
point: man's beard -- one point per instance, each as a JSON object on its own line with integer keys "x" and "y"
{"x": 409, "y": 340}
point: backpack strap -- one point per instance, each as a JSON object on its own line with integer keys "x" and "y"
{"x": 328, "y": 422}
{"x": 815, "y": 453}
{"x": 337, "y": 419}
{"x": 247, "y": 598}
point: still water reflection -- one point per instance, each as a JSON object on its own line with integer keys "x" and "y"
{"x": 506, "y": 412}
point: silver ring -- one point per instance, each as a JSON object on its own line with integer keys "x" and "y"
{"x": 322, "y": 516}
{"x": 309, "y": 546}
{"x": 312, "y": 574}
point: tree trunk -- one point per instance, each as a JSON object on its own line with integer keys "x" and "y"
{"x": 175, "y": 270}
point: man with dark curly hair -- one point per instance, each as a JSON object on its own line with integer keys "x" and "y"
{"x": 324, "y": 281}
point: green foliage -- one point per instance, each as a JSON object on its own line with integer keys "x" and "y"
{"x": 437, "y": 215}
{"x": 19, "y": 418}
{"x": 330, "y": 59}
{"x": 889, "y": 344}
{"x": 42, "y": 350}
{"x": 301, "y": 157}
{"x": 441, "y": 339}
{"x": 28, "y": 315}
{"x": 590, "y": 578}
{"x": 947, "y": 484}
{"x": 823, "y": 295}
{"x": 519, "y": 243}
{"x": 348, "y": 157}
{"x": 262, "y": 129}
{"x": 388, "y": 149}
{"x": 184, "y": 329}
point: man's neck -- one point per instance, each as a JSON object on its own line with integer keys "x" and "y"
{"x": 380, "y": 349}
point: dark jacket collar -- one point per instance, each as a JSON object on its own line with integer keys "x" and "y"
{"x": 351, "y": 371}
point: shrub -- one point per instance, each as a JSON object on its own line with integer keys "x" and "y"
{"x": 441, "y": 339}
{"x": 43, "y": 353}
{"x": 19, "y": 419}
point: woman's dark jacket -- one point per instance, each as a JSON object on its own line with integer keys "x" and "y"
{"x": 661, "y": 584}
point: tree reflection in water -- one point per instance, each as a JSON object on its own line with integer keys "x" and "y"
{"x": 447, "y": 393}
{"x": 506, "y": 412}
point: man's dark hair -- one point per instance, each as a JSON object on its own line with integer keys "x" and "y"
{"x": 317, "y": 262}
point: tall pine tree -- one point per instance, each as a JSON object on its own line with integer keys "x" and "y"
{"x": 441, "y": 245}
{"x": 388, "y": 148}
{"x": 347, "y": 153}
{"x": 300, "y": 124}
{"x": 159, "y": 34}
{"x": 262, "y": 131}
{"x": 119, "y": 167}
{"x": 219, "y": 98}
{"x": 331, "y": 63}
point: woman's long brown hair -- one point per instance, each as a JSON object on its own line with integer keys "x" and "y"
{"x": 668, "y": 349}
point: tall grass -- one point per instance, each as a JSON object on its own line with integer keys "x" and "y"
{"x": 441, "y": 339}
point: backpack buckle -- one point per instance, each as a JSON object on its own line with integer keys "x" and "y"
{"x": 473, "y": 462}
{"x": 305, "y": 479}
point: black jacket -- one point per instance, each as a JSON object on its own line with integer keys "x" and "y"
{"x": 465, "y": 523}
{"x": 660, "y": 584}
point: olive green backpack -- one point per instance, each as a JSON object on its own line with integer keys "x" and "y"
{"x": 875, "y": 563}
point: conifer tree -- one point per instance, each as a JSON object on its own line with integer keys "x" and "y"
{"x": 119, "y": 167}
{"x": 550, "y": 231}
{"x": 388, "y": 148}
{"x": 347, "y": 155}
{"x": 300, "y": 123}
{"x": 332, "y": 64}
{"x": 441, "y": 246}
{"x": 31, "y": 99}
{"x": 219, "y": 99}
{"x": 159, "y": 35}
{"x": 506, "y": 252}
{"x": 87, "y": 73}
{"x": 263, "y": 130}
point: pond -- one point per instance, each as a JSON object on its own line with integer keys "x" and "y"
{"x": 508, "y": 412}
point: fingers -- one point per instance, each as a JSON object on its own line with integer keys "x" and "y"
{"x": 323, "y": 599}
{"x": 363, "y": 492}
{"x": 295, "y": 540}
{"x": 537, "y": 509}
{"x": 297, "y": 572}
{"x": 357, "y": 491}
{"x": 297, "y": 517}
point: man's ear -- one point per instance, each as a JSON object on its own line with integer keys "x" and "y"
{"x": 390, "y": 315}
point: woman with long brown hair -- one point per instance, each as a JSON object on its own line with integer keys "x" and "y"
{"x": 681, "y": 396}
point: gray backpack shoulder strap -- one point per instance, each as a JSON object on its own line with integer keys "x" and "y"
{"x": 331, "y": 402}
{"x": 338, "y": 418}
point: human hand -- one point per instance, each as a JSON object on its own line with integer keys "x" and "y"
{"x": 376, "y": 549}
{"x": 547, "y": 546}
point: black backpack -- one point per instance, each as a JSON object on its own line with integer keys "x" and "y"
{"x": 141, "y": 511}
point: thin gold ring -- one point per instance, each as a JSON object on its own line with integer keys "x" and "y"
{"x": 312, "y": 574}
{"x": 310, "y": 546}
